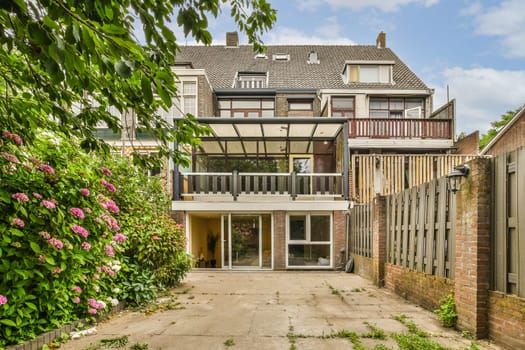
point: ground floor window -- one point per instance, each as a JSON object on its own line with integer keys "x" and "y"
{"x": 309, "y": 240}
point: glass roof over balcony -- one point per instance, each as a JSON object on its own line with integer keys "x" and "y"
{"x": 267, "y": 136}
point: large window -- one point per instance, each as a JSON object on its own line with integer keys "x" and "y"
{"x": 309, "y": 240}
{"x": 368, "y": 73}
{"x": 248, "y": 108}
{"x": 397, "y": 107}
{"x": 343, "y": 106}
{"x": 184, "y": 103}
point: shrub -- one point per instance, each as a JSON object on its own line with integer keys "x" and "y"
{"x": 447, "y": 311}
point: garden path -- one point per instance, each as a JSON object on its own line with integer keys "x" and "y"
{"x": 274, "y": 310}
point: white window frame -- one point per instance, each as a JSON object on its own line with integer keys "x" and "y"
{"x": 173, "y": 111}
{"x": 307, "y": 240}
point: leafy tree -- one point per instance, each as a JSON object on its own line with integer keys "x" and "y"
{"x": 64, "y": 63}
{"x": 497, "y": 126}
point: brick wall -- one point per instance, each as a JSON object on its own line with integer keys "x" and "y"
{"x": 281, "y": 105}
{"x": 339, "y": 235}
{"x": 468, "y": 145}
{"x": 419, "y": 288}
{"x": 279, "y": 240}
{"x": 507, "y": 319}
{"x": 513, "y": 138}
{"x": 206, "y": 105}
{"x": 472, "y": 248}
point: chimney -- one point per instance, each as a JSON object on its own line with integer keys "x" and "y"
{"x": 381, "y": 40}
{"x": 232, "y": 39}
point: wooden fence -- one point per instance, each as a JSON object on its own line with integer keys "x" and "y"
{"x": 509, "y": 223}
{"x": 361, "y": 219}
{"x": 420, "y": 229}
{"x": 392, "y": 173}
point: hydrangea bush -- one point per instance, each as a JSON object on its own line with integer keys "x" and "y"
{"x": 64, "y": 225}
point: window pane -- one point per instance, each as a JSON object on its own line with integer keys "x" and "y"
{"x": 413, "y": 102}
{"x": 225, "y": 113}
{"x": 300, "y": 106}
{"x": 397, "y": 103}
{"x": 378, "y": 103}
{"x": 224, "y": 104}
{"x": 267, "y": 113}
{"x": 268, "y": 104}
{"x": 379, "y": 114}
{"x": 297, "y": 227}
{"x": 309, "y": 255}
{"x": 343, "y": 103}
{"x": 190, "y": 105}
{"x": 251, "y": 104}
{"x": 189, "y": 88}
{"x": 320, "y": 228}
{"x": 253, "y": 114}
{"x": 238, "y": 114}
{"x": 368, "y": 74}
{"x": 384, "y": 74}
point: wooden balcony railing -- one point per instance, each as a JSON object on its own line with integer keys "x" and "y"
{"x": 401, "y": 128}
{"x": 237, "y": 184}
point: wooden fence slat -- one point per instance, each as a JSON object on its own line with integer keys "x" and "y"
{"x": 405, "y": 228}
{"x": 452, "y": 234}
{"x": 441, "y": 222}
{"x": 500, "y": 216}
{"x": 398, "y": 227}
{"x": 430, "y": 228}
{"x": 413, "y": 224}
{"x": 422, "y": 207}
{"x": 520, "y": 224}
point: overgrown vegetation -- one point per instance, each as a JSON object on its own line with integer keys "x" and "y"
{"x": 72, "y": 237}
{"x": 447, "y": 311}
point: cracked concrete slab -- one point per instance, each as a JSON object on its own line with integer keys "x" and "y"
{"x": 272, "y": 310}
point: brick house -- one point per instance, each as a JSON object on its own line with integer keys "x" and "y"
{"x": 509, "y": 138}
{"x": 271, "y": 186}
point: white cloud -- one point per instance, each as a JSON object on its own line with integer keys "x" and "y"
{"x": 383, "y": 5}
{"x": 292, "y": 36}
{"x": 482, "y": 95}
{"x": 505, "y": 21}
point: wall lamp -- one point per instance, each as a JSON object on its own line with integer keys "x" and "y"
{"x": 454, "y": 178}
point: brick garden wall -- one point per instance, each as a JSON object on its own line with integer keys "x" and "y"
{"x": 363, "y": 266}
{"x": 507, "y": 319}
{"x": 419, "y": 288}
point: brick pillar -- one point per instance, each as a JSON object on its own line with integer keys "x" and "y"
{"x": 339, "y": 236}
{"x": 472, "y": 274}
{"x": 379, "y": 240}
{"x": 279, "y": 240}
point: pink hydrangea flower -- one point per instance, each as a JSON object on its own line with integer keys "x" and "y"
{"x": 55, "y": 242}
{"x": 46, "y": 168}
{"x": 76, "y": 289}
{"x": 21, "y": 197}
{"x": 18, "y": 222}
{"x": 119, "y": 237}
{"x": 76, "y": 300}
{"x": 77, "y": 212}
{"x": 105, "y": 171}
{"x": 87, "y": 210}
{"x": 92, "y": 311}
{"x": 84, "y": 192}
{"x": 108, "y": 185}
{"x": 44, "y": 234}
{"x": 86, "y": 245}
{"x": 110, "y": 205}
{"x": 14, "y": 137}
{"x": 57, "y": 270}
{"x": 3, "y": 299}
{"x": 80, "y": 230}
{"x": 37, "y": 195}
{"x": 48, "y": 204}
{"x": 109, "y": 250}
{"x": 10, "y": 157}
{"x": 42, "y": 258}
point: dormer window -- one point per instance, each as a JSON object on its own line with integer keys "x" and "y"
{"x": 368, "y": 72}
{"x": 281, "y": 57}
{"x": 250, "y": 80}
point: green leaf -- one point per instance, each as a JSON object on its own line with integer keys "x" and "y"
{"x": 50, "y": 260}
{"x": 35, "y": 247}
{"x": 8, "y": 323}
{"x": 145, "y": 84}
{"x": 123, "y": 69}
{"x": 113, "y": 29}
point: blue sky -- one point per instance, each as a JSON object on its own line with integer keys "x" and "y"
{"x": 477, "y": 48}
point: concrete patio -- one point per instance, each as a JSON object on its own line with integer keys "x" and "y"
{"x": 272, "y": 310}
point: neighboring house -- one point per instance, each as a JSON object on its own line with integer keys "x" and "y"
{"x": 271, "y": 186}
{"x": 509, "y": 138}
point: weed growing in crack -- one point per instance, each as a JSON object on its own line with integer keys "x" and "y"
{"x": 229, "y": 342}
{"x": 375, "y": 332}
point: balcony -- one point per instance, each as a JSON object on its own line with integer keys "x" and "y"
{"x": 270, "y": 185}
{"x": 401, "y": 128}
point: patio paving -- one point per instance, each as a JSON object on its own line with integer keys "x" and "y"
{"x": 272, "y": 310}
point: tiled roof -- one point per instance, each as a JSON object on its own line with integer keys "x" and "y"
{"x": 222, "y": 63}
